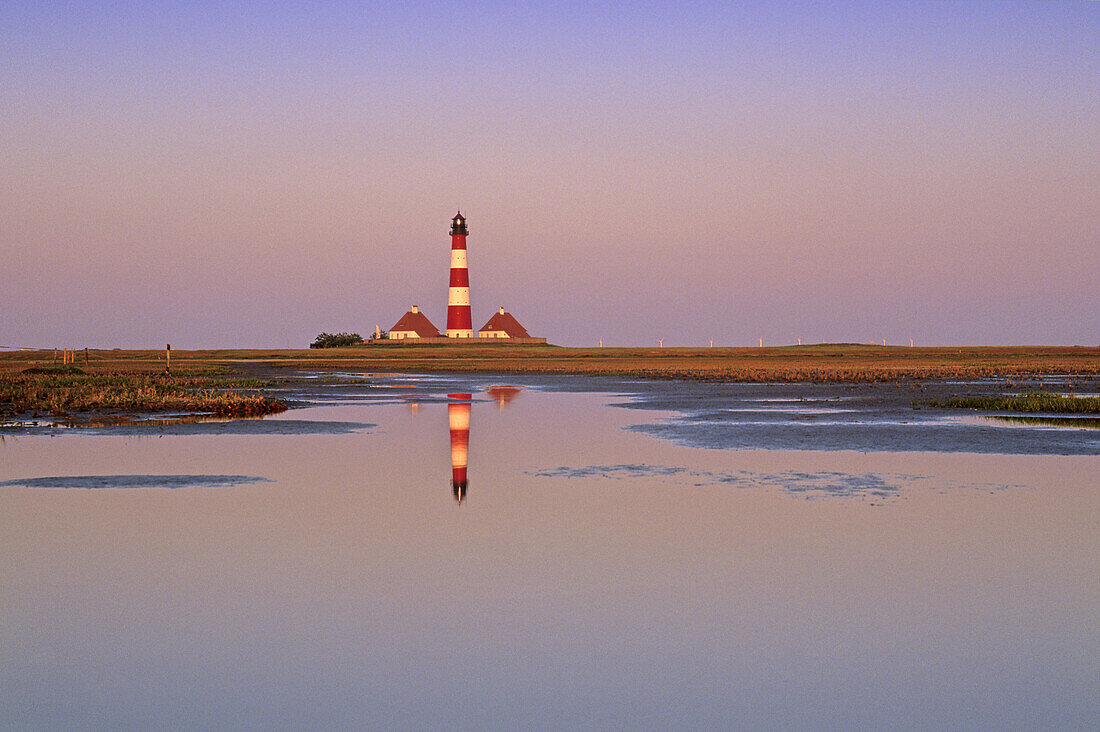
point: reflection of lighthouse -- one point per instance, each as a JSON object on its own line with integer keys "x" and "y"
{"x": 458, "y": 414}
{"x": 460, "y": 324}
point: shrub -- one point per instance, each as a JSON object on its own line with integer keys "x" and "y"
{"x": 336, "y": 340}
{"x": 56, "y": 370}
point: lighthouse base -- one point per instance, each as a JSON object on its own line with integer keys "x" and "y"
{"x": 460, "y": 333}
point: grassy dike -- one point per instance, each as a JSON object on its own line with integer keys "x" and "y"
{"x": 817, "y": 363}
{"x": 64, "y": 390}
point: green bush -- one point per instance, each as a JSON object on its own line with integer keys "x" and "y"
{"x": 336, "y": 340}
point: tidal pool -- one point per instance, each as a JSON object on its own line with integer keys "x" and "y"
{"x": 479, "y": 552}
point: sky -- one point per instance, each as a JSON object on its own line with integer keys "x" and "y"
{"x": 212, "y": 174}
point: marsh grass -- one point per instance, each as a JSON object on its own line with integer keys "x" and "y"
{"x": 1034, "y": 402}
{"x": 66, "y": 370}
{"x": 836, "y": 362}
{"x": 1085, "y": 423}
{"x": 62, "y": 391}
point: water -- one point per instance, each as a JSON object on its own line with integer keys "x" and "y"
{"x": 596, "y": 566}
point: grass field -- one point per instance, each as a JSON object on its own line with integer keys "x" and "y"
{"x": 819, "y": 363}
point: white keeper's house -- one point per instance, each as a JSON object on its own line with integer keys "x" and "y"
{"x": 413, "y": 324}
{"x": 502, "y": 325}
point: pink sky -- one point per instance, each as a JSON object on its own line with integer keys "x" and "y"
{"x": 212, "y": 178}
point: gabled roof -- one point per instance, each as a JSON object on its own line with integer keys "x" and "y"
{"x": 505, "y": 322}
{"x": 418, "y": 323}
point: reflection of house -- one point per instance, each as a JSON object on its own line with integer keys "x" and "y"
{"x": 502, "y": 325}
{"x": 413, "y": 324}
{"x": 503, "y": 394}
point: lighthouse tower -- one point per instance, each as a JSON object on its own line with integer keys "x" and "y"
{"x": 459, "y": 322}
{"x": 458, "y": 417}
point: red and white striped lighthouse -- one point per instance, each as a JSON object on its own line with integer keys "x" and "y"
{"x": 459, "y": 322}
{"x": 458, "y": 417}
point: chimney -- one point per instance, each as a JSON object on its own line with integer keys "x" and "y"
{"x": 502, "y": 310}
{"x": 414, "y": 309}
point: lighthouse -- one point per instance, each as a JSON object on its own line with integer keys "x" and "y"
{"x": 458, "y": 417}
{"x": 459, "y": 322}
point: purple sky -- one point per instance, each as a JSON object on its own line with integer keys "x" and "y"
{"x": 213, "y": 177}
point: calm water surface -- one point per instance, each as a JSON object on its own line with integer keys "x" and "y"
{"x": 523, "y": 555}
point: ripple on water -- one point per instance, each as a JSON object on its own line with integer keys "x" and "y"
{"x": 805, "y": 484}
{"x": 134, "y": 481}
